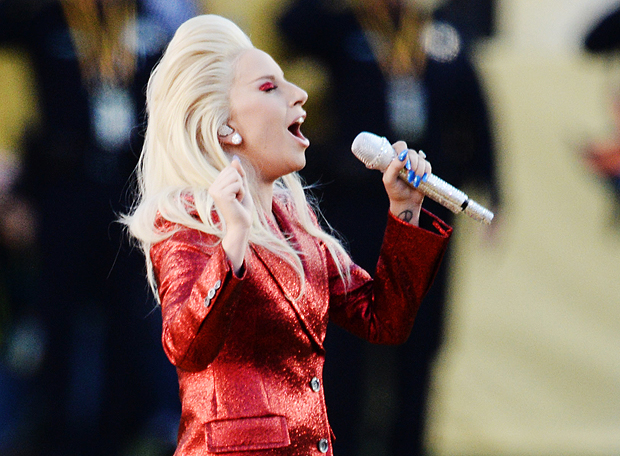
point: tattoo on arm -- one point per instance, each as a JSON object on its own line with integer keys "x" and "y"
{"x": 406, "y": 216}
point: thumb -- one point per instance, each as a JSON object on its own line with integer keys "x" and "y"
{"x": 236, "y": 163}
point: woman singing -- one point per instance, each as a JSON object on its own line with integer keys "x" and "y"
{"x": 246, "y": 278}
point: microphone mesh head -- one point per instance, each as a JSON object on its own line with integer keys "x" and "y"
{"x": 372, "y": 150}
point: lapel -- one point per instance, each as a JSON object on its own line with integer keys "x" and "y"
{"x": 308, "y": 308}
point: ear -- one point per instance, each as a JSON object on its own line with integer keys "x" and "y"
{"x": 224, "y": 130}
{"x": 228, "y": 136}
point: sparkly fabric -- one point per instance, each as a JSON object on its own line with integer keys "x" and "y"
{"x": 250, "y": 358}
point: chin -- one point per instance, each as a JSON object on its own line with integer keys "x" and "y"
{"x": 302, "y": 163}
{"x": 298, "y": 167}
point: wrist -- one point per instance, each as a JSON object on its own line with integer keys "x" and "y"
{"x": 235, "y": 243}
{"x": 409, "y": 213}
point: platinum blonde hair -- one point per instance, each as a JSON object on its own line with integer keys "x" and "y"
{"x": 187, "y": 101}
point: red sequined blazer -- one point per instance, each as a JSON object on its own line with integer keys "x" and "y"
{"x": 249, "y": 356}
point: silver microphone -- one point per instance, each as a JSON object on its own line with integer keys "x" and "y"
{"x": 376, "y": 152}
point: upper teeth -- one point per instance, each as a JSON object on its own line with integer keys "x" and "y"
{"x": 300, "y": 120}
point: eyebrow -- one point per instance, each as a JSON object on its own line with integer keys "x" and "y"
{"x": 271, "y": 77}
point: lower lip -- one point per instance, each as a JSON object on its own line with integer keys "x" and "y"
{"x": 303, "y": 141}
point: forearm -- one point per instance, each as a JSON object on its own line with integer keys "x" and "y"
{"x": 383, "y": 310}
{"x": 197, "y": 291}
{"x": 235, "y": 243}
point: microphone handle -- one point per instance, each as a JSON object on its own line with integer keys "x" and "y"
{"x": 450, "y": 197}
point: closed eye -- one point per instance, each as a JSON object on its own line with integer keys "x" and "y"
{"x": 268, "y": 87}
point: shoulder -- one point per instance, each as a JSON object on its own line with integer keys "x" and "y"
{"x": 176, "y": 235}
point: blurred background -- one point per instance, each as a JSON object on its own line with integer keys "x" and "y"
{"x": 516, "y": 350}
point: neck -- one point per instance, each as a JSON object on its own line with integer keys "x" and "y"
{"x": 265, "y": 196}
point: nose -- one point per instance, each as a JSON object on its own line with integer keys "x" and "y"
{"x": 300, "y": 96}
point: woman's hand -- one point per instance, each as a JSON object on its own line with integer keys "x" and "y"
{"x": 405, "y": 201}
{"x": 232, "y": 198}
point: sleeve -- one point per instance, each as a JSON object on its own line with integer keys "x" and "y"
{"x": 197, "y": 289}
{"x": 382, "y": 310}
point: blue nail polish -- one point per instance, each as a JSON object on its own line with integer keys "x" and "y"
{"x": 236, "y": 157}
{"x": 425, "y": 177}
{"x": 408, "y": 165}
{"x": 403, "y": 155}
{"x": 416, "y": 181}
{"x": 410, "y": 176}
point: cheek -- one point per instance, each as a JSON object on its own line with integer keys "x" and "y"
{"x": 259, "y": 119}
{"x": 266, "y": 125}
{"x": 254, "y": 119}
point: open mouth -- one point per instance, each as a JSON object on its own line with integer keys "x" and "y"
{"x": 295, "y": 129}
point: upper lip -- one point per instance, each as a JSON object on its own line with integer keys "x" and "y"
{"x": 294, "y": 126}
{"x": 299, "y": 119}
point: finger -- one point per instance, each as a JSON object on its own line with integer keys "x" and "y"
{"x": 241, "y": 190}
{"x": 235, "y": 169}
{"x": 399, "y": 147}
{"x": 223, "y": 183}
{"x": 425, "y": 164}
{"x": 245, "y": 188}
{"x": 227, "y": 193}
{"x": 420, "y": 168}
{"x": 226, "y": 183}
{"x": 236, "y": 163}
{"x": 401, "y": 161}
{"x": 429, "y": 169}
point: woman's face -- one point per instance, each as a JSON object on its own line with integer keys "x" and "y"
{"x": 266, "y": 110}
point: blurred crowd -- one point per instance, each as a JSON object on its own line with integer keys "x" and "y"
{"x": 82, "y": 370}
{"x": 603, "y": 156}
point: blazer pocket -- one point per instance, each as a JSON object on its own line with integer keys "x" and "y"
{"x": 244, "y": 434}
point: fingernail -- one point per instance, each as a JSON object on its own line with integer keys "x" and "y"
{"x": 402, "y": 155}
{"x": 425, "y": 177}
{"x": 416, "y": 181}
{"x": 410, "y": 176}
{"x": 236, "y": 157}
{"x": 408, "y": 165}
